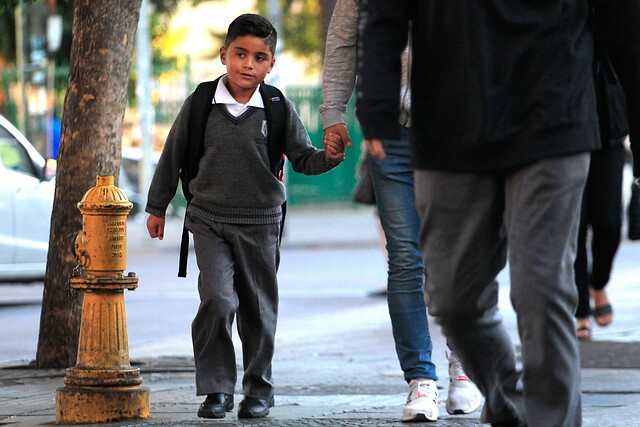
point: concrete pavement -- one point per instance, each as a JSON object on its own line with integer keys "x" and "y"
{"x": 327, "y": 375}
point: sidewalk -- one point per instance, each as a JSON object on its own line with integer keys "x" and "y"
{"x": 346, "y": 377}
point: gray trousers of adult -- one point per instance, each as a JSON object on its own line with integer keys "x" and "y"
{"x": 238, "y": 265}
{"x": 467, "y": 220}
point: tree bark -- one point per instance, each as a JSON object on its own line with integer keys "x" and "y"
{"x": 326, "y": 10}
{"x": 94, "y": 106}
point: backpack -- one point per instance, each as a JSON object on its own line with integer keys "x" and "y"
{"x": 201, "y": 104}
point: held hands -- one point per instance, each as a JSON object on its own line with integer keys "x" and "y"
{"x": 333, "y": 148}
{"x": 155, "y": 225}
{"x": 334, "y": 143}
{"x": 340, "y": 129}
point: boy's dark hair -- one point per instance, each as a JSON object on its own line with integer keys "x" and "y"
{"x": 251, "y": 24}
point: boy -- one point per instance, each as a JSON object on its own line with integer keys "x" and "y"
{"x": 235, "y": 212}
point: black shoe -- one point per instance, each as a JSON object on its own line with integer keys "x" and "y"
{"x": 251, "y": 407}
{"x": 216, "y": 405}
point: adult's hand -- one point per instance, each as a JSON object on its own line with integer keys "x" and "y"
{"x": 341, "y": 130}
{"x": 376, "y": 148}
{"x": 333, "y": 148}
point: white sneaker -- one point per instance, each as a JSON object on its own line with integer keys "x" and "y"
{"x": 464, "y": 397}
{"x": 422, "y": 402}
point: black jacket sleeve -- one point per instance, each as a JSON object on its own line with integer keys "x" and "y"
{"x": 618, "y": 23}
{"x": 383, "y": 36}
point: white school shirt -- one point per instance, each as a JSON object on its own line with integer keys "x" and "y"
{"x": 222, "y": 96}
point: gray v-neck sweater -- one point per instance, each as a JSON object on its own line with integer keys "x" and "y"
{"x": 234, "y": 183}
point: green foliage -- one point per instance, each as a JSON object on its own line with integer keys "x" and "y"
{"x": 164, "y": 7}
{"x": 11, "y": 4}
{"x": 161, "y": 8}
{"x": 301, "y": 28}
{"x": 159, "y": 29}
{"x": 7, "y": 34}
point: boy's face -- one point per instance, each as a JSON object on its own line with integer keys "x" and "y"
{"x": 248, "y": 60}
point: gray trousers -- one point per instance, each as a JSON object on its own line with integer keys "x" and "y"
{"x": 238, "y": 265}
{"x": 467, "y": 220}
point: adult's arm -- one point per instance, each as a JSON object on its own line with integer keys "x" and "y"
{"x": 618, "y": 25}
{"x": 384, "y": 27}
{"x": 339, "y": 67}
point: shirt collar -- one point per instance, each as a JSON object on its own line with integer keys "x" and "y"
{"x": 222, "y": 95}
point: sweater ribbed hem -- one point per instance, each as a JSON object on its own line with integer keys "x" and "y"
{"x": 332, "y": 115}
{"x": 156, "y": 209}
{"x": 235, "y": 215}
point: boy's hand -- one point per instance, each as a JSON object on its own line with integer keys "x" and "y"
{"x": 333, "y": 148}
{"x": 340, "y": 129}
{"x": 155, "y": 225}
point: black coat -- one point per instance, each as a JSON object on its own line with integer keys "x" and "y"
{"x": 616, "y": 24}
{"x": 495, "y": 84}
{"x": 610, "y": 99}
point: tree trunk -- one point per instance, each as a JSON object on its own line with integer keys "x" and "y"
{"x": 326, "y": 10}
{"x": 94, "y": 106}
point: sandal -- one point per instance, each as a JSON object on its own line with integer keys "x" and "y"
{"x": 583, "y": 332}
{"x": 602, "y": 314}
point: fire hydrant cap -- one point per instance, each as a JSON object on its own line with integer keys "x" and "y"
{"x": 105, "y": 195}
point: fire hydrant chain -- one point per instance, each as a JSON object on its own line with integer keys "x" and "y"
{"x": 72, "y": 293}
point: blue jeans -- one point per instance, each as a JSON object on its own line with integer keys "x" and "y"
{"x": 393, "y": 186}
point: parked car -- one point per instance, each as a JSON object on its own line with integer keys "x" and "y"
{"x": 26, "y": 199}
{"x": 27, "y": 189}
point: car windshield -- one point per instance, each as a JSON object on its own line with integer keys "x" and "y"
{"x": 13, "y": 155}
{"x": 4, "y": 133}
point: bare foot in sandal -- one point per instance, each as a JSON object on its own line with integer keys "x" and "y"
{"x": 583, "y": 329}
{"x": 602, "y": 311}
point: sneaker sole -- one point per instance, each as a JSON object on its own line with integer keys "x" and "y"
{"x": 418, "y": 418}
{"x": 469, "y": 410}
{"x": 409, "y": 416}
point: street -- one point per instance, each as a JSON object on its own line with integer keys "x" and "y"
{"x": 317, "y": 284}
{"x": 334, "y": 348}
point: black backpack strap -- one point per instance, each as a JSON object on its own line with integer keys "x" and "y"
{"x": 201, "y": 105}
{"x": 184, "y": 251}
{"x": 275, "y": 109}
{"x": 284, "y": 215}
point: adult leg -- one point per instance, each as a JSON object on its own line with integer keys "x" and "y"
{"x": 393, "y": 186}
{"x": 464, "y": 247}
{"x": 211, "y": 329}
{"x": 541, "y": 218}
{"x": 605, "y": 208}
{"x": 606, "y": 223}
{"x": 581, "y": 271}
{"x": 256, "y": 253}
{"x": 581, "y": 264}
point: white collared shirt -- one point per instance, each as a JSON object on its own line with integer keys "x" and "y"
{"x": 222, "y": 96}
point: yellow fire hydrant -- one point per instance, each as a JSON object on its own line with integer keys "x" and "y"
{"x": 102, "y": 386}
